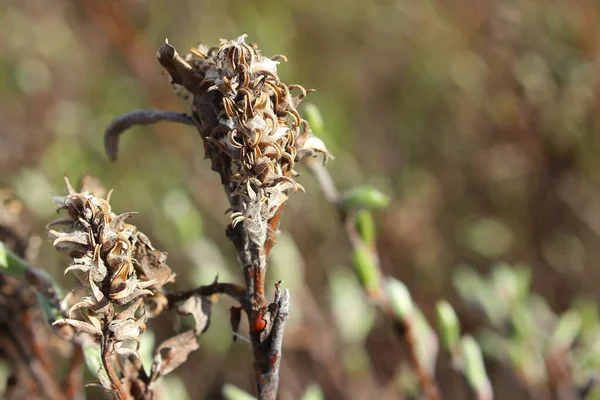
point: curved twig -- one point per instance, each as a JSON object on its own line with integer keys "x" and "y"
{"x": 139, "y": 117}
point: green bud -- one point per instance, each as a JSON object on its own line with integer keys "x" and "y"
{"x": 399, "y": 298}
{"x": 366, "y": 227}
{"x": 566, "y": 330}
{"x": 475, "y": 368}
{"x": 449, "y": 325}
{"x": 366, "y": 268}
{"x": 364, "y": 197}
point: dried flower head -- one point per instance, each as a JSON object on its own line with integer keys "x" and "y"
{"x": 248, "y": 119}
{"x": 118, "y": 266}
{"x": 253, "y": 134}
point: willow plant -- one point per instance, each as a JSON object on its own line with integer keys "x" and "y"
{"x": 253, "y": 135}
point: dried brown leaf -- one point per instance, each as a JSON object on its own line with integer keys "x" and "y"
{"x": 172, "y": 353}
{"x": 79, "y": 326}
{"x": 198, "y": 307}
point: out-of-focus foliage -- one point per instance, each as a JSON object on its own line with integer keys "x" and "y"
{"x": 547, "y": 351}
{"x": 478, "y": 118}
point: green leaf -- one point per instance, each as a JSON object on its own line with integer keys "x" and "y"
{"x": 523, "y": 276}
{"x": 494, "y": 345}
{"x": 449, "y": 325}
{"x": 566, "y": 330}
{"x": 12, "y": 264}
{"x": 345, "y": 293}
{"x": 364, "y": 197}
{"x": 366, "y": 268}
{"x": 51, "y": 314}
{"x": 16, "y": 267}
{"x": 426, "y": 341}
{"x": 93, "y": 361}
{"x": 475, "y": 368}
{"x": 365, "y": 224}
{"x": 314, "y": 118}
{"x": 232, "y": 392}
{"x": 399, "y": 298}
{"x": 523, "y": 322}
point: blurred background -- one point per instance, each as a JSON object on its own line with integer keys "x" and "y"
{"x": 479, "y": 118}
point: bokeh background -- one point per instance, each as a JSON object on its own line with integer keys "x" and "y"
{"x": 479, "y": 118}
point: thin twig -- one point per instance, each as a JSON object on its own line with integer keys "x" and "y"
{"x": 139, "y": 117}
{"x": 331, "y": 193}
{"x": 28, "y": 351}
{"x": 117, "y": 388}
{"x": 325, "y": 181}
{"x": 233, "y": 290}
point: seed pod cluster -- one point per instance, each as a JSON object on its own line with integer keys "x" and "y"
{"x": 250, "y": 124}
{"x": 116, "y": 263}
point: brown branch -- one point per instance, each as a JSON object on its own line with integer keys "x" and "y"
{"x": 324, "y": 180}
{"x": 117, "y": 388}
{"x": 426, "y": 378}
{"x": 234, "y": 291}
{"x": 139, "y": 117}
{"x": 268, "y": 378}
{"x": 36, "y": 368}
{"x": 266, "y": 323}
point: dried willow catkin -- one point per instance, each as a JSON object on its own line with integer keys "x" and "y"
{"x": 250, "y": 124}
{"x": 116, "y": 263}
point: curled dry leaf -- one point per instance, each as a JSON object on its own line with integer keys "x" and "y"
{"x": 198, "y": 307}
{"x": 80, "y": 326}
{"x": 174, "y": 351}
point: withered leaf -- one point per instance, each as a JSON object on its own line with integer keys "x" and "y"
{"x": 80, "y": 326}
{"x": 172, "y": 353}
{"x": 151, "y": 262}
{"x": 198, "y": 307}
